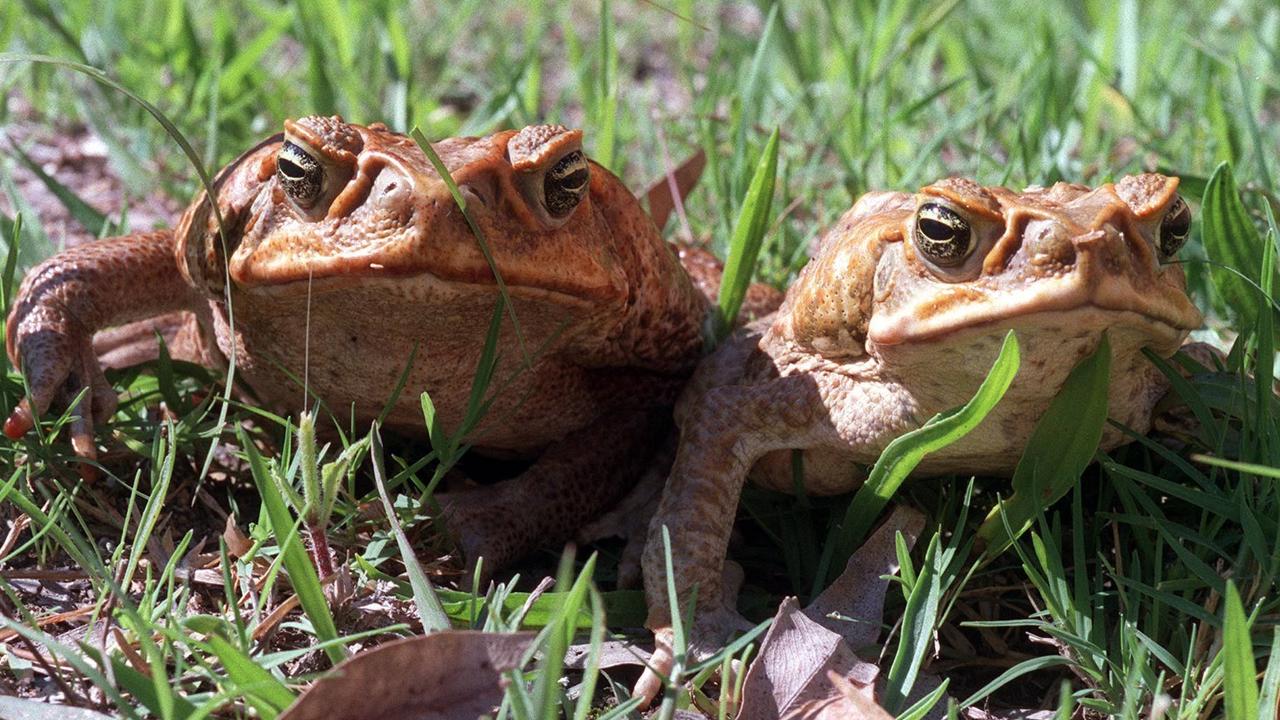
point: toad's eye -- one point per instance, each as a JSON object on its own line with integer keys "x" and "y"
{"x": 942, "y": 236}
{"x": 300, "y": 174}
{"x": 565, "y": 183}
{"x": 1174, "y": 228}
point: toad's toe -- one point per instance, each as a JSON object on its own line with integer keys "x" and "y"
{"x": 61, "y": 371}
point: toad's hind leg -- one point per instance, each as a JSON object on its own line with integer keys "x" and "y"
{"x": 574, "y": 481}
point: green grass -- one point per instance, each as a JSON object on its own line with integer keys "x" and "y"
{"x": 1151, "y": 582}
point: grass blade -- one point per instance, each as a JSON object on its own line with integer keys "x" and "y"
{"x": 1232, "y": 241}
{"x": 1017, "y": 671}
{"x": 1239, "y": 674}
{"x": 260, "y": 688}
{"x": 922, "y": 706}
{"x": 905, "y": 453}
{"x": 430, "y": 611}
{"x": 1269, "y": 698}
{"x": 443, "y": 171}
{"x": 151, "y": 109}
{"x": 302, "y": 574}
{"x": 89, "y": 218}
{"x": 748, "y": 236}
{"x": 1061, "y": 446}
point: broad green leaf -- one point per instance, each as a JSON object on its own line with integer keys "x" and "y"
{"x": 748, "y": 236}
{"x": 1239, "y": 674}
{"x": 919, "y": 619}
{"x": 1233, "y": 243}
{"x": 1061, "y": 447}
{"x": 905, "y": 453}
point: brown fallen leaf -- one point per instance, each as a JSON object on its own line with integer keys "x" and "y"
{"x": 613, "y": 653}
{"x": 807, "y": 667}
{"x": 791, "y": 671}
{"x": 858, "y": 594}
{"x": 449, "y": 675}
{"x": 852, "y": 702}
{"x": 662, "y": 197}
{"x": 238, "y": 544}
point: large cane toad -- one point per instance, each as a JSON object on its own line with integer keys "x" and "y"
{"x": 345, "y": 251}
{"x": 899, "y": 317}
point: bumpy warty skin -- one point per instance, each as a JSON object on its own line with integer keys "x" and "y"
{"x": 600, "y": 299}
{"x": 874, "y": 338}
{"x": 343, "y": 255}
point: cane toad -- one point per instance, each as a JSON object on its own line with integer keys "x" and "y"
{"x": 899, "y": 317}
{"x": 345, "y": 252}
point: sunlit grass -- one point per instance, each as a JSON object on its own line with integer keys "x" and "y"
{"x": 1155, "y": 576}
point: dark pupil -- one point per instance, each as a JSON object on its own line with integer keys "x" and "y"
{"x": 574, "y": 180}
{"x": 942, "y": 235}
{"x": 299, "y": 173}
{"x": 565, "y": 183}
{"x": 290, "y": 170}
{"x": 936, "y": 229}
{"x": 1178, "y": 224}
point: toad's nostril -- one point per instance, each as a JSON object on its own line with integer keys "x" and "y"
{"x": 473, "y": 194}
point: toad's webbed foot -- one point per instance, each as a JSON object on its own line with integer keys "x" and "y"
{"x": 62, "y": 371}
{"x": 712, "y": 629}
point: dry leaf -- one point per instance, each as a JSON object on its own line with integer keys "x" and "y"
{"x": 449, "y": 675}
{"x": 852, "y": 702}
{"x": 858, "y": 593}
{"x": 660, "y": 197}
{"x": 238, "y": 544}
{"x": 807, "y": 667}
{"x": 791, "y": 672}
{"x": 613, "y": 653}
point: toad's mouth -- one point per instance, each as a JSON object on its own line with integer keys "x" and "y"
{"x": 1163, "y": 313}
{"x": 287, "y": 264}
{"x": 421, "y": 284}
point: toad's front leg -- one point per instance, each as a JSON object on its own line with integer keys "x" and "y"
{"x": 723, "y": 434}
{"x": 63, "y": 301}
